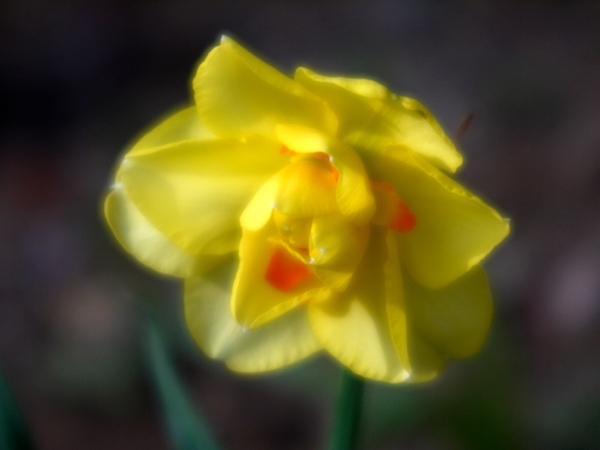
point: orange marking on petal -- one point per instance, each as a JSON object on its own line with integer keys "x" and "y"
{"x": 321, "y": 155}
{"x": 286, "y": 151}
{"x": 336, "y": 174}
{"x": 403, "y": 220}
{"x": 382, "y": 186}
{"x": 325, "y": 157}
{"x": 285, "y": 271}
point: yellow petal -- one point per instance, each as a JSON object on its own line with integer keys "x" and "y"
{"x": 305, "y": 188}
{"x": 255, "y": 300}
{"x": 370, "y": 117}
{"x": 195, "y": 191}
{"x": 426, "y": 361}
{"x": 336, "y": 249}
{"x": 455, "y": 318}
{"x": 237, "y": 94}
{"x": 454, "y": 229}
{"x": 353, "y": 193}
{"x": 146, "y": 243}
{"x": 276, "y": 344}
{"x": 359, "y": 86}
{"x": 353, "y": 325}
{"x": 180, "y": 126}
{"x": 259, "y": 210}
{"x": 419, "y": 357}
{"x": 394, "y": 299}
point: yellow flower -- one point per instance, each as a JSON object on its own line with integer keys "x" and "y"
{"x": 307, "y": 214}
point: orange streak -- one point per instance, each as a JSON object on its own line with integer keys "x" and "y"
{"x": 286, "y": 151}
{"x": 336, "y": 174}
{"x": 403, "y": 220}
{"x": 285, "y": 271}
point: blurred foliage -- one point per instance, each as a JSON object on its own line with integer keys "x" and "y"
{"x": 187, "y": 431}
{"x": 14, "y": 433}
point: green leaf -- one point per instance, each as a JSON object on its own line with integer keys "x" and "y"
{"x": 13, "y": 431}
{"x": 187, "y": 430}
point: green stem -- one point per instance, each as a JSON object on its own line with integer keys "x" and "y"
{"x": 186, "y": 426}
{"x": 347, "y": 415}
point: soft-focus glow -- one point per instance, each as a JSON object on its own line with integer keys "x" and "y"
{"x": 326, "y": 198}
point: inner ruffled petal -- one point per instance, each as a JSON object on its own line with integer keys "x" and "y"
{"x": 336, "y": 248}
{"x": 353, "y": 193}
{"x": 271, "y": 280}
{"x": 305, "y": 188}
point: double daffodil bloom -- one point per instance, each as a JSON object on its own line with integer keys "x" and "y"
{"x": 307, "y": 214}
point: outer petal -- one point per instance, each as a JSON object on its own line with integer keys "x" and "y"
{"x": 255, "y": 301}
{"x": 237, "y": 95}
{"x": 146, "y": 243}
{"x": 353, "y": 326}
{"x": 370, "y": 117}
{"x": 353, "y": 192}
{"x": 274, "y": 345}
{"x": 454, "y": 229}
{"x": 180, "y": 126}
{"x": 456, "y": 318}
{"x": 426, "y": 361}
{"x": 195, "y": 191}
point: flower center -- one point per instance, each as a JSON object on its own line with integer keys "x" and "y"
{"x": 294, "y": 230}
{"x": 306, "y": 190}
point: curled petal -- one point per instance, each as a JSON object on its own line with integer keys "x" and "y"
{"x": 353, "y": 193}
{"x": 305, "y": 188}
{"x": 370, "y": 117}
{"x": 195, "y": 191}
{"x": 353, "y": 325}
{"x": 259, "y": 293}
{"x": 454, "y": 229}
{"x": 394, "y": 299}
{"x": 238, "y": 95}
{"x": 273, "y": 345}
{"x": 419, "y": 357}
{"x": 336, "y": 248}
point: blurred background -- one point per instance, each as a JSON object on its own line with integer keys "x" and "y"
{"x": 78, "y": 80}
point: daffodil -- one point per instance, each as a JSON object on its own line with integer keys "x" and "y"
{"x": 307, "y": 214}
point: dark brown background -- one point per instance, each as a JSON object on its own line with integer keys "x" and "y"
{"x": 79, "y": 79}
